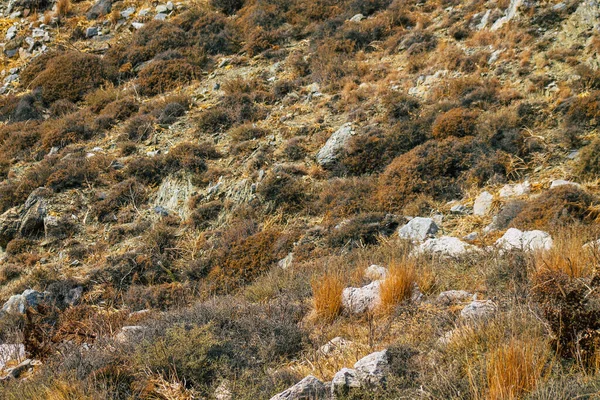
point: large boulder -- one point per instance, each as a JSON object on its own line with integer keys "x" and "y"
{"x": 327, "y": 157}
{"x": 344, "y": 381}
{"x": 483, "y": 203}
{"x": 446, "y": 246}
{"x": 100, "y": 8}
{"x": 478, "y": 310}
{"x": 515, "y": 190}
{"x": 19, "y": 303}
{"x": 372, "y": 369}
{"x": 515, "y": 239}
{"x": 450, "y": 297}
{"x": 418, "y": 229}
{"x": 9, "y": 225}
{"x": 363, "y": 299}
{"x": 34, "y": 211}
{"x": 309, "y": 388}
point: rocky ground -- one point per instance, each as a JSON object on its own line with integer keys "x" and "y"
{"x": 268, "y": 199}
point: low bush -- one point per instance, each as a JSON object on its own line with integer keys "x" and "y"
{"x": 557, "y": 207}
{"x": 228, "y": 7}
{"x": 71, "y": 75}
{"x": 186, "y": 156}
{"x": 247, "y": 132}
{"x": 129, "y": 192}
{"x": 588, "y": 163}
{"x": 398, "y": 285}
{"x": 140, "y": 127}
{"x": 283, "y": 191}
{"x": 364, "y": 229}
{"x": 435, "y": 168}
{"x": 72, "y": 128}
{"x": 457, "y": 122}
{"x": 205, "y": 213}
{"x": 161, "y": 76}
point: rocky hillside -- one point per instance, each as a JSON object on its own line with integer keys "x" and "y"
{"x": 286, "y": 199}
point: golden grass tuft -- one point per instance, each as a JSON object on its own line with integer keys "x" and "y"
{"x": 513, "y": 370}
{"x": 399, "y": 284}
{"x": 327, "y": 295}
{"x": 63, "y": 8}
{"x": 569, "y": 255}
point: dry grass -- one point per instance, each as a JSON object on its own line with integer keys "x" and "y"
{"x": 514, "y": 369}
{"x": 399, "y": 284}
{"x": 569, "y": 255}
{"x": 327, "y": 296}
{"x": 63, "y": 8}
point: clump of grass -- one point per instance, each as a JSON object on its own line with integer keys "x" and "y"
{"x": 513, "y": 370}
{"x": 569, "y": 255}
{"x": 327, "y": 296}
{"x": 398, "y": 285}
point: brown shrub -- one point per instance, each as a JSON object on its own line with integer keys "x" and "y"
{"x": 72, "y": 172}
{"x": 205, "y": 213}
{"x": 364, "y": 229}
{"x": 149, "y": 170}
{"x": 60, "y": 108}
{"x": 570, "y": 305}
{"x": 129, "y": 192}
{"x": 140, "y": 127}
{"x": 340, "y": 198}
{"x": 283, "y": 191}
{"x": 327, "y": 297}
{"x": 228, "y": 7}
{"x": 434, "y": 168}
{"x": 557, "y": 207}
{"x": 118, "y": 110}
{"x": 584, "y": 110}
{"x": 247, "y": 132}
{"x": 70, "y": 129}
{"x": 187, "y": 156}
{"x": 245, "y": 259}
{"x": 457, "y": 122}
{"x": 588, "y": 164}
{"x": 71, "y": 75}
{"x": 161, "y": 76}
{"x": 214, "y": 120}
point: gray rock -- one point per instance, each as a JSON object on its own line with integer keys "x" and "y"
{"x": 357, "y": 18}
{"x": 130, "y": 333}
{"x": 372, "y": 369}
{"x": 161, "y": 8}
{"x": 561, "y": 182}
{"x": 329, "y": 153}
{"x": 18, "y": 303}
{"x": 446, "y": 246}
{"x": 91, "y": 32}
{"x": 335, "y": 345}
{"x": 344, "y": 381}
{"x": 519, "y": 189}
{"x": 360, "y": 300}
{"x": 223, "y": 391}
{"x": 11, "y": 33}
{"x": 34, "y": 211}
{"x": 160, "y": 17}
{"x": 102, "y": 7}
{"x": 376, "y": 272}
{"x": 478, "y": 310}
{"x": 511, "y": 12}
{"x": 137, "y": 25}
{"x": 170, "y": 6}
{"x": 309, "y": 388}
{"x": 483, "y": 203}
{"x": 128, "y": 12}
{"x": 459, "y": 209}
{"x": 286, "y": 262}
{"x": 11, "y": 352}
{"x": 38, "y": 33}
{"x": 54, "y": 228}
{"x": 9, "y": 225}
{"x": 74, "y": 296}
{"x": 143, "y": 12}
{"x": 471, "y": 236}
{"x": 515, "y": 239}
{"x": 11, "y": 78}
{"x": 450, "y": 297}
{"x": 418, "y": 229}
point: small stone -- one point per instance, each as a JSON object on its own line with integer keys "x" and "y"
{"x": 11, "y": 78}
{"x": 376, "y": 272}
{"x": 372, "y": 369}
{"x": 344, "y": 381}
{"x": 328, "y": 155}
{"x": 163, "y": 212}
{"x": 483, "y": 203}
{"x": 337, "y": 344}
{"x": 516, "y": 190}
{"x": 143, "y": 12}
{"x": 450, "y": 297}
{"x": 515, "y": 239}
{"x": 137, "y": 25}
{"x": 357, "y": 18}
{"x": 91, "y": 32}
{"x": 286, "y": 262}
{"x": 360, "y": 300}
{"x": 478, "y": 310}
{"x": 160, "y": 17}
{"x": 307, "y": 389}
{"x": 170, "y": 6}
{"x": 11, "y": 33}
{"x": 561, "y": 182}
{"x": 161, "y": 8}
{"x": 446, "y": 246}
{"x": 128, "y": 12}
{"x": 459, "y": 209}
{"x": 471, "y": 236}
{"x": 418, "y": 229}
